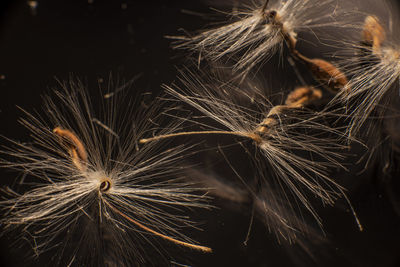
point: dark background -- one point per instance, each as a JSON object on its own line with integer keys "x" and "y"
{"x": 126, "y": 38}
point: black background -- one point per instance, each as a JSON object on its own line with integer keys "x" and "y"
{"x": 126, "y": 38}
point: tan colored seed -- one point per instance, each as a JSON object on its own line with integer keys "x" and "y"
{"x": 303, "y": 96}
{"x": 373, "y": 33}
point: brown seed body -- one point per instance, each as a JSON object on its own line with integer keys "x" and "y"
{"x": 76, "y": 148}
{"x": 329, "y": 74}
{"x": 373, "y": 33}
{"x": 303, "y": 96}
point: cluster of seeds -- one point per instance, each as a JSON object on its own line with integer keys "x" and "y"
{"x": 120, "y": 176}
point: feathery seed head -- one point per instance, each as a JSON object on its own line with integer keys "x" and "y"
{"x": 289, "y": 140}
{"x": 92, "y": 191}
{"x": 259, "y": 31}
{"x": 373, "y": 69}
